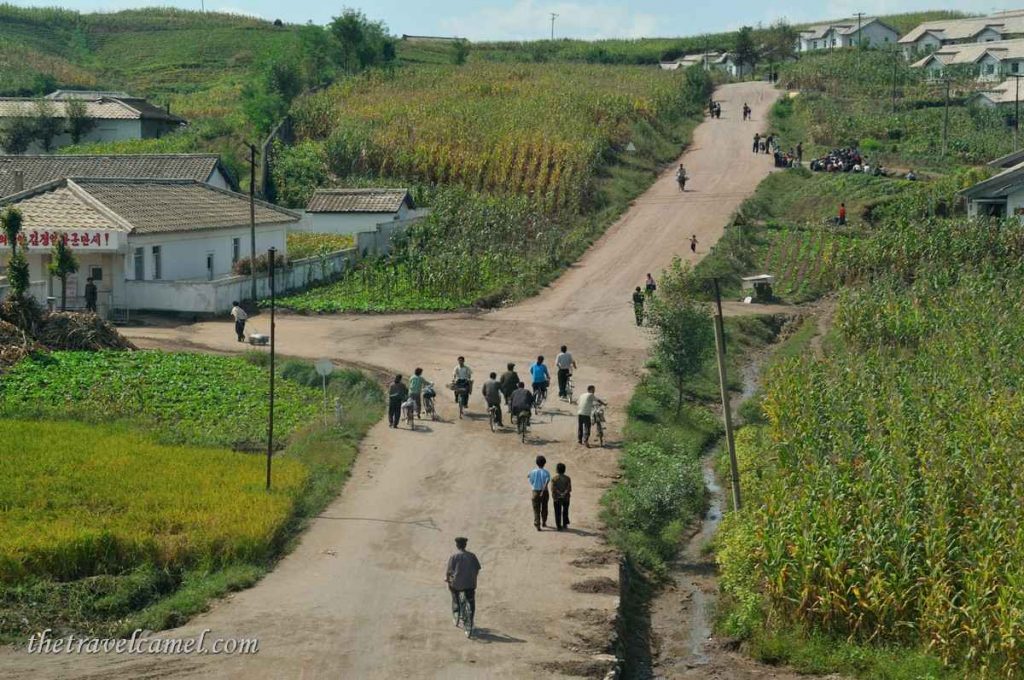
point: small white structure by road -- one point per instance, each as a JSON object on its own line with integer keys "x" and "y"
{"x": 349, "y": 211}
{"x": 869, "y": 31}
{"x": 142, "y": 240}
{"x": 1000, "y": 196}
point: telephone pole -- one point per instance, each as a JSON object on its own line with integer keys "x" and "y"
{"x": 553, "y": 17}
{"x": 859, "y": 16}
{"x": 895, "y": 57}
{"x": 945, "y": 120}
{"x": 1016, "y": 107}
{"x": 252, "y": 220}
{"x": 723, "y": 384}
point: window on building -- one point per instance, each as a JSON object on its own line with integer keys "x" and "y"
{"x": 1015, "y": 67}
{"x": 209, "y": 266}
{"x": 96, "y": 273}
{"x": 815, "y": 44}
{"x": 157, "y": 264}
{"x": 236, "y": 250}
{"x": 140, "y": 271}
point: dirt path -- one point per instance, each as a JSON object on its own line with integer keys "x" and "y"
{"x": 362, "y": 595}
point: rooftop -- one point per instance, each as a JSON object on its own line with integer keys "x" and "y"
{"x": 38, "y": 170}
{"x": 1000, "y": 185}
{"x": 1011, "y": 21}
{"x": 139, "y": 206}
{"x": 843, "y": 27}
{"x": 381, "y": 200}
{"x": 100, "y": 108}
{"x": 969, "y": 53}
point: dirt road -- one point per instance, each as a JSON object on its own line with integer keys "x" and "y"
{"x": 362, "y": 595}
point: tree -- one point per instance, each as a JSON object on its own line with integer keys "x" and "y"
{"x": 79, "y": 122}
{"x": 780, "y": 42}
{"x": 460, "y": 52}
{"x": 48, "y": 124}
{"x": 359, "y": 42}
{"x": 17, "y": 135}
{"x": 17, "y": 266}
{"x": 315, "y": 46}
{"x": 684, "y": 336}
{"x": 746, "y": 51}
{"x": 62, "y": 263}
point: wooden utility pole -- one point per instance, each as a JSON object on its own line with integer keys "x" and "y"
{"x": 945, "y": 121}
{"x": 252, "y": 220}
{"x": 271, "y": 255}
{"x": 726, "y": 408}
{"x": 895, "y": 63}
{"x": 553, "y": 17}
{"x": 1016, "y": 108}
{"x": 859, "y": 39}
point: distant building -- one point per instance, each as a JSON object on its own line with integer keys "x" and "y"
{"x": 1001, "y": 196}
{"x": 990, "y": 60}
{"x": 348, "y": 211}
{"x": 430, "y": 38}
{"x": 869, "y": 31}
{"x": 116, "y": 116}
{"x": 1005, "y": 93}
{"x": 722, "y": 61}
{"x": 934, "y": 35}
{"x": 18, "y": 173}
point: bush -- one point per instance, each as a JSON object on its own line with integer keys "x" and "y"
{"x": 243, "y": 268}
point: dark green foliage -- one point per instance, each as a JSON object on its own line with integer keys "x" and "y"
{"x": 62, "y": 263}
{"x": 17, "y": 135}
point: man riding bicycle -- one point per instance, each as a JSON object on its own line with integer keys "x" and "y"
{"x": 462, "y": 379}
{"x": 509, "y": 382}
{"x": 541, "y": 378}
{"x": 460, "y": 575}
{"x": 521, "y": 402}
{"x": 565, "y": 365}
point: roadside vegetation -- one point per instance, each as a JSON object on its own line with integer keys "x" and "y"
{"x": 303, "y": 244}
{"x": 120, "y": 438}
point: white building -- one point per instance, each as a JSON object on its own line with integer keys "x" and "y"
{"x": 705, "y": 59}
{"x": 1000, "y": 196}
{"x": 1002, "y": 94}
{"x": 934, "y": 35}
{"x": 348, "y": 211}
{"x": 869, "y": 31}
{"x": 991, "y": 60}
{"x": 727, "y": 62}
{"x": 20, "y": 172}
{"x": 116, "y": 116}
{"x": 143, "y": 240}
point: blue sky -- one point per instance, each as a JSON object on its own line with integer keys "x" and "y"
{"x": 529, "y": 19}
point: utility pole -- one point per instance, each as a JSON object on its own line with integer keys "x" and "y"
{"x": 945, "y": 121}
{"x": 706, "y": 47}
{"x": 859, "y": 15}
{"x": 895, "y": 56}
{"x": 553, "y": 17}
{"x": 1016, "y": 107}
{"x": 271, "y": 255}
{"x": 726, "y": 409}
{"x": 252, "y": 219}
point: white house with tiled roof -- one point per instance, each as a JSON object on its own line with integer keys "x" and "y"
{"x": 116, "y": 118}
{"x": 349, "y": 211}
{"x": 147, "y": 243}
{"x": 990, "y": 60}
{"x": 934, "y": 35}
{"x": 869, "y": 31}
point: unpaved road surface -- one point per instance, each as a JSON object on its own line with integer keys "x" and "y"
{"x": 362, "y": 595}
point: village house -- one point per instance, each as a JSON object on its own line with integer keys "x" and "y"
{"x": 1000, "y": 196}
{"x": 722, "y": 61}
{"x": 1003, "y": 94}
{"x": 869, "y": 31}
{"x": 934, "y": 35}
{"x": 990, "y": 60}
{"x": 348, "y": 211}
{"x": 146, "y": 243}
{"x": 115, "y": 115}
{"x": 18, "y": 173}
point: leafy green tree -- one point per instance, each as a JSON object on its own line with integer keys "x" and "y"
{"x": 17, "y": 266}
{"x": 315, "y": 48}
{"x": 684, "y": 336}
{"x": 359, "y": 42}
{"x": 79, "y": 122}
{"x": 780, "y": 42}
{"x": 746, "y": 50}
{"x": 62, "y": 264}
{"x": 17, "y": 135}
{"x": 267, "y": 98}
{"x": 48, "y": 124}
{"x": 460, "y": 52}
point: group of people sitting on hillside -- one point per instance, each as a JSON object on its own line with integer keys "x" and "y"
{"x": 847, "y": 159}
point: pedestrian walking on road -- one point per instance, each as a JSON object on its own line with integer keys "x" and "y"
{"x": 492, "y": 395}
{"x": 693, "y": 243}
{"x": 397, "y": 394}
{"x": 240, "y": 317}
{"x": 757, "y": 142}
{"x": 539, "y": 478}
{"x": 565, "y": 365}
{"x": 561, "y": 489}
{"x": 649, "y": 285}
{"x": 638, "y": 306}
{"x": 416, "y": 384}
{"x": 588, "y": 402}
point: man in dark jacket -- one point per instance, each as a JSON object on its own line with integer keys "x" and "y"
{"x": 492, "y": 395}
{"x": 509, "y": 382}
{"x": 397, "y": 394}
{"x": 461, "y": 575}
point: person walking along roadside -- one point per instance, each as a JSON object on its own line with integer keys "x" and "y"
{"x": 638, "y": 306}
{"x": 240, "y": 317}
{"x": 561, "y": 489}
{"x": 565, "y": 365}
{"x": 397, "y": 394}
{"x": 461, "y": 574}
{"x": 693, "y": 243}
{"x": 539, "y": 478}
{"x": 416, "y": 384}
{"x": 584, "y": 414}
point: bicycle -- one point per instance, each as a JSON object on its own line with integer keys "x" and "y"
{"x": 428, "y": 404}
{"x": 523, "y": 425}
{"x": 410, "y": 414}
{"x": 597, "y": 419}
{"x": 465, "y": 614}
{"x": 462, "y": 389}
{"x": 539, "y": 395}
{"x": 492, "y": 416}
{"x": 569, "y": 386}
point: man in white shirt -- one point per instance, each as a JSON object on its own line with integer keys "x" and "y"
{"x": 240, "y": 317}
{"x": 564, "y": 363}
{"x": 588, "y": 402}
{"x": 462, "y": 379}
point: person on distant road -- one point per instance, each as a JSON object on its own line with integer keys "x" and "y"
{"x": 693, "y": 243}
{"x": 649, "y": 285}
{"x": 565, "y": 364}
{"x": 638, "y": 306}
{"x": 492, "y": 395}
{"x": 584, "y": 413}
{"x": 539, "y": 478}
{"x": 397, "y": 394}
{"x": 240, "y": 317}
{"x": 757, "y": 142}
{"x": 461, "y": 575}
{"x": 521, "y": 401}
{"x": 91, "y": 294}
{"x": 561, "y": 489}
{"x": 462, "y": 379}
{"x": 417, "y": 383}
{"x": 509, "y": 382}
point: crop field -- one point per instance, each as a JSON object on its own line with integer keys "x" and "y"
{"x": 302, "y": 244}
{"x": 146, "y": 503}
{"x": 513, "y": 129}
{"x": 182, "y": 398}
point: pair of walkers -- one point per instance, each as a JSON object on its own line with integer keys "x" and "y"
{"x": 560, "y": 491}
{"x": 402, "y": 396}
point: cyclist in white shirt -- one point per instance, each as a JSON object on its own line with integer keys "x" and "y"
{"x": 462, "y": 379}
{"x": 564, "y": 363}
{"x": 583, "y": 414}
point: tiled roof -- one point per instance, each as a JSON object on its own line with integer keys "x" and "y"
{"x": 105, "y": 108}
{"x": 38, "y": 170}
{"x": 843, "y": 26}
{"x": 358, "y": 200}
{"x": 1000, "y": 185}
{"x": 969, "y": 53}
{"x": 964, "y": 29}
{"x": 62, "y": 95}
{"x": 140, "y": 206}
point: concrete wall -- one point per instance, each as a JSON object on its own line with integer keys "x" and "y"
{"x": 183, "y": 255}
{"x": 378, "y": 241}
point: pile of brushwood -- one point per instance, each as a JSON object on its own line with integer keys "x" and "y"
{"x": 25, "y": 328}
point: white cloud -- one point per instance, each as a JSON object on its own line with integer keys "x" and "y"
{"x": 531, "y": 20}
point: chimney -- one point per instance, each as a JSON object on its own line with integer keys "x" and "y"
{"x": 19, "y": 181}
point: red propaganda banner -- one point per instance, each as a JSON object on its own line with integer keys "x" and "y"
{"x": 76, "y": 240}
